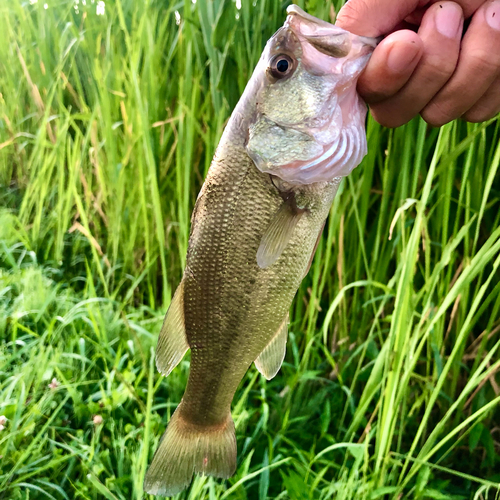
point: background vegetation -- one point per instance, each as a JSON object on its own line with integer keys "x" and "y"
{"x": 109, "y": 117}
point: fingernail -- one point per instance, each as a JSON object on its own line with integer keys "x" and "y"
{"x": 400, "y": 56}
{"x": 449, "y": 19}
{"x": 493, "y": 15}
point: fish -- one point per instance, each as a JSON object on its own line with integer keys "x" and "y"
{"x": 297, "y": 130}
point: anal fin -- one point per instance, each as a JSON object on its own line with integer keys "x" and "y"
{"x": 172, "y": 342}
{"x": 270, "y": 359}
{"x": 277, "y": 235}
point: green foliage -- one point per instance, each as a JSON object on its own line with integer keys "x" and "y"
{"x": 108, "y": 123}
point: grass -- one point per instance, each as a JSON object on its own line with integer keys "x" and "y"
{"x": 390, "y": 388}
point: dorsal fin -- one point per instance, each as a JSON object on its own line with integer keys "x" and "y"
{"x": 270, "y": 359}
{"x": 172, "y": 342}
{"x": 278, "y": 234}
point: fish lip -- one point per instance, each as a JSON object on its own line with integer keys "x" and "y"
{"x": 296, "y": 10}
{"x": 325, "y": 28}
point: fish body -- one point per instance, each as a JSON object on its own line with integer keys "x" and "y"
{"x": 297, "y": 130}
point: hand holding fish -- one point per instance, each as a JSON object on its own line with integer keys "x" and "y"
{"x": 439, "y": 72}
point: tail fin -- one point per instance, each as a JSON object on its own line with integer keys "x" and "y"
{"x": 186, "y": 448}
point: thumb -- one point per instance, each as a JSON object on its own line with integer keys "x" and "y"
{"x": 375, "y": 17}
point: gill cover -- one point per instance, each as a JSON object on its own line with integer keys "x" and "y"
{"x": 309, "y": 122}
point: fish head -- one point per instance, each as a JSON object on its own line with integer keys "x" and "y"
{"x": 308, "y": 123}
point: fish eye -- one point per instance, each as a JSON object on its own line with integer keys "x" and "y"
{"x": 281, "y": 66}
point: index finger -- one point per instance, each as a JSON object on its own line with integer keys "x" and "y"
{"x": 380, "y": 17}
{"x": 375, "y": 17}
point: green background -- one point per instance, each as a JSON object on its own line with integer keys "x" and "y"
{"x": 108, "y": 123}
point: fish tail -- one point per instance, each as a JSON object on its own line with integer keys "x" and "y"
{"x": 186, "y": 448}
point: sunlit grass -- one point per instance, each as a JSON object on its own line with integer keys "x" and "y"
{"x": 108, "y": 123}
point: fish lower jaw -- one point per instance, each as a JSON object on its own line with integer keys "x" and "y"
{"x": 337, "y": 160}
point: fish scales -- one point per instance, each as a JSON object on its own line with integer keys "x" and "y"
{"x": 226, "y": 294}
{"x": 296, "y": 131}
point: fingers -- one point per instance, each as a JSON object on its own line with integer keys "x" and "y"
{"x": 440, "y": 32}
{"x": 468, "y": 6}
{"x": 487, "y": 106}
{"x": 379, "y": 17}
{"x": 390, "y": 66}
{"x": 434, "y": 73}
{"x": 477, "y": 71}
{"x": 375, "y": 17}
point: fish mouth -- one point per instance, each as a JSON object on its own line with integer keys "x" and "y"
{"x": 326, "y": 37}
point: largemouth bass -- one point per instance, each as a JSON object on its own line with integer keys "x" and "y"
{"x": 296, "y": 131}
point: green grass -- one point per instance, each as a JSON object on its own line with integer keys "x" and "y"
{"x": 390, "y": 388}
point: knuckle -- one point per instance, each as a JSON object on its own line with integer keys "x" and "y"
{"x": 478, "y": 114}
{"x": 474, "y": 118}
{"x": 388, "y": 119}
{"x": 439, "y": 67}
{"x": 437, "y": 115}
{"x": 434, "y": 121}
{"x": 372, "y": 95}
{"x": 348, "y": 15}
{"x": 351, "y": 13}
{"x": 484, "y": 61}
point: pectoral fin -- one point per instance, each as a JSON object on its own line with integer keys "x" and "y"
{"x": 270, "y": 359}
{"x": 277, "y": 235}
{"x": 172, "y": 342}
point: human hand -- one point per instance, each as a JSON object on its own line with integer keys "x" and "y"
{"x": 433, "y": 72}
